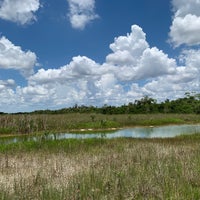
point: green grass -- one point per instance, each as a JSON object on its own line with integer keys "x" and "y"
{"x": 65, "y": 145}
{"x": 29, "y": 124}
{"x": 6, "y": 130}
{"x": 102, "y": 169}
{"x": 98, "y": 168}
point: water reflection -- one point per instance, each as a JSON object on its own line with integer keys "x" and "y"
{"x": 159, "y": 132}
{"x": 139, "y": 132}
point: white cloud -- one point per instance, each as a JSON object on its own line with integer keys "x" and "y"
{"x": 184, "y": 79}
{"x": 84, "y": 81}
{"x": 19, "y": 11}
{"x": 154, "y": 63}
{"x": 7, "y": 96}
{"x": 189, "y": 72}
{"x": 109, "y": 90}
{"x": 132, "y": 70}
{"x": 10, "y": 83}
{"x": 191, "y": 58}
{"x": 128, "y": 49}
{"x": 36, "y": 94}
{"x": 81, "y": 12}
{"x": 135, "y": 60}
{"x": 185, "y": 27}
{"x": 183, "y": 7}
{"x": 12, "y": 57}
{"x": 80, "y": 67}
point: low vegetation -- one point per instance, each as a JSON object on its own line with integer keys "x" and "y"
{"x": 145, "y": 111}
{"x": 44, "y": 123}
{"x": 101, "y": 169}
{"x": 122, "y": 168}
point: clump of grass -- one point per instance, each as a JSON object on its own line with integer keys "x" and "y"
{"x": 164, "y": 121}
{"x": 6, "y": 130}
{"x": 102, "y": 124}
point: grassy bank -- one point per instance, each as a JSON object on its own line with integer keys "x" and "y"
{"x": 26, "y": 124}
{"x": 102, "y": 169}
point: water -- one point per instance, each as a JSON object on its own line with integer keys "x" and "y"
{"x": 138, "y": 132}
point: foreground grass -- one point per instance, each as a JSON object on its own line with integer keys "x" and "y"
{"x": 102, "y": 169}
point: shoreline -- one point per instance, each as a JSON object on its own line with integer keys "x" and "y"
{"x": 90, "y": 130}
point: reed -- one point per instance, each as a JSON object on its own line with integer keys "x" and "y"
{"x": 37, "y": 123}
{"x": 102, "y": 169}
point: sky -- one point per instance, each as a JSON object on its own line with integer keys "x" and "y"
{"x": 55, "y": 54}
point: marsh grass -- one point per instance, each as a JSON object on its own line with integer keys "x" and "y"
{"x": 37, "y": 123}
{"x": 102, "y": 169}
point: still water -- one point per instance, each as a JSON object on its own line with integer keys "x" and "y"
{"x": 138, "y": 132}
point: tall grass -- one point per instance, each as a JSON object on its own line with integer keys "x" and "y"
{"x": 26, "y": 123}
{"x": 102, "y": 169}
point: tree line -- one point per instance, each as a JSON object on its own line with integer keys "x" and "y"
{"x": 189, "y": 104}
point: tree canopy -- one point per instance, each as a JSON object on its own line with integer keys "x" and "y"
{"x": 188, "y": 104}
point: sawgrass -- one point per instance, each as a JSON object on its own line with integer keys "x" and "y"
{"x": 101, "y": 169}
{"x": 29, "y": 124}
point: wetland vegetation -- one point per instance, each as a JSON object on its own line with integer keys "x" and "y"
{"x": 143, "y": 112}
{"x": 11, "y": 124}
{"x": 101, "y": 169}
{"x": 120, "y": 168}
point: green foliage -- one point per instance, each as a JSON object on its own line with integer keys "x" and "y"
{"x": 188, "y": 104}
{"x": 6, "y": 130}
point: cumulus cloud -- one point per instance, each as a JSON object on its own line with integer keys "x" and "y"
{"x": 154, "y": 63}
{"x": 81, "y": 12}
{"x": 136, "y": 60}
{"x": 19, "y": 11}
{"x": 128, "y": 49}
{"x": 190, "y": 70}
{"x": 132, "y": 70}
{"x": 185, "y": 78}
{"x": 36, "y": 94}
{"x": 80, "y": 67}
{"x": 13, "y": 57}
{"x": 185, "y": 27}
{"x": 84, "y": 81}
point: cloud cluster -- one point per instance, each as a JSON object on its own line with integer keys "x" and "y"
{"x": 81, "y": 12}
{"x": 185, "y": 27}
{"x": 132, "y": 70}
{"x": 19, "y": 11}
{"x": 13, "y": 57}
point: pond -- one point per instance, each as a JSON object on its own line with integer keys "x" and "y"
{"x": 137, "y": 132}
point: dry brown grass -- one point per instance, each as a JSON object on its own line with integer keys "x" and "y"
{"x": 57, "y": 168}
{"x": 115, "y": 169}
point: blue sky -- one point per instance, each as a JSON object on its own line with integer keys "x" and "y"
{"x": 55, "y": 54}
